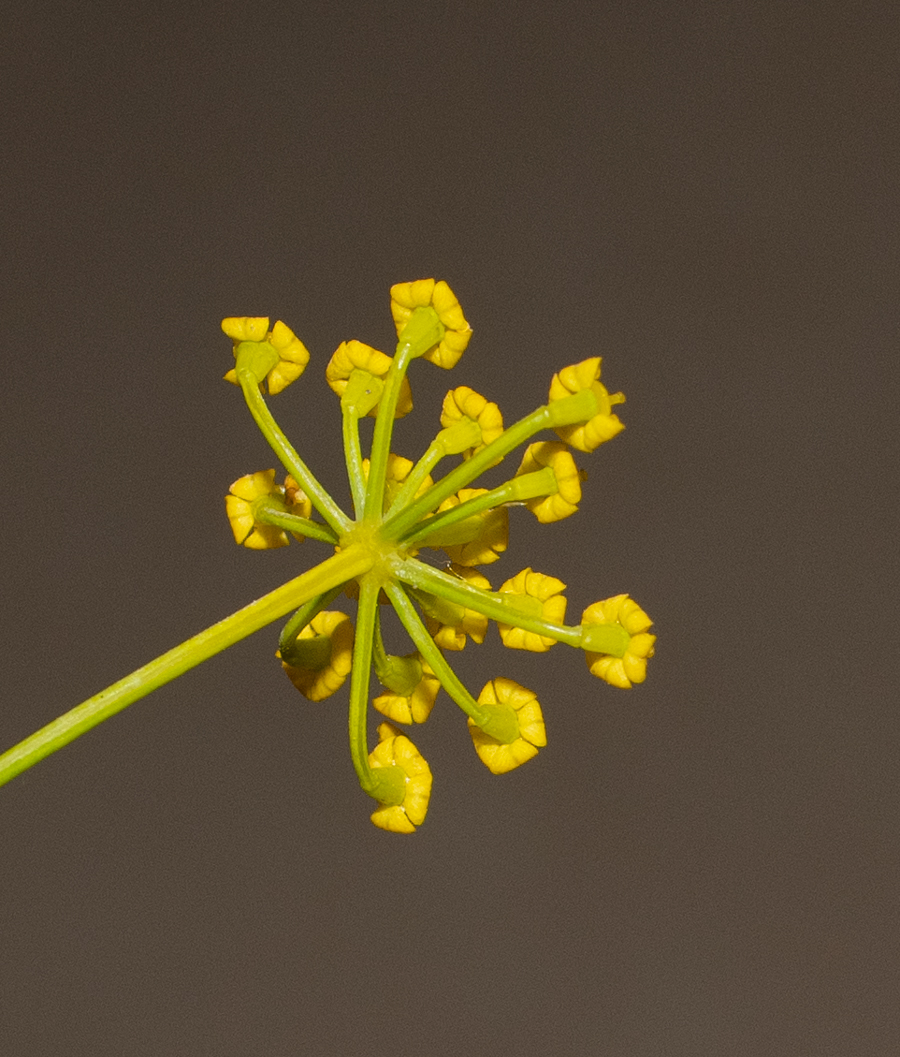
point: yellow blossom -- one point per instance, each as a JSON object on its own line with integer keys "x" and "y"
{"x": 327, "y": 643}
{"x": 568, "y": 480}
{"x": 352, "y": 356}
{"x": 407, "y": 297}
{"x": 632, "y": 667}
{"x": 548, "y": 604}
{"x": 414, "y": 707}
{"x": 293, "y": 356}
{"x": 239, "y": 507}
{"x": 497, "y": 756}
{"x": 604, "y": 425}
{"x": 453, "y": 636}
{"x": 464, "y": 402}
{"x": 396, "y": 750}
{"x": 492, "y": 531}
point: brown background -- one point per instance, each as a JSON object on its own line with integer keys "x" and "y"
{"x": 703, "y": 193}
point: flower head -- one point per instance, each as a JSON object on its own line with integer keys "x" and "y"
{"x": 604, "y": 425}
{"x": 407, "y": 297}
{"x": 632, "y": 666}
{"x": 396, "y": 750}
{"x": 320, "y": 658}
{"x": 400, "y": 506}
{"x": 353, "y": 356}
{"x": 292, "y": 356}
{"x": 500, "y": 757}
{"x": 489, "y": 532}
{"x": 539, "y": 595}
{"x": 398, "y": 469}
{"x": 416, "y": 706}
{"x": 239, "y": 506}
{"x": 464, "y": 402}
{"x": 450, "y": 633}
{"x": 568, "y": 480}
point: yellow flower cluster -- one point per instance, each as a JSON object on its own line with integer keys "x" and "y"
{"x": 423, "y": 293}
{"x": 292, "y": 354}
{"x": 402, "y": 506}
{"x": 632, "y": 666}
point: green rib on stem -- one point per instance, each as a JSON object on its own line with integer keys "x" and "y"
{"x": 330, "y": 573}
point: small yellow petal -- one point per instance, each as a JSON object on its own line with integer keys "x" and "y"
{"x": 246, "y": 328}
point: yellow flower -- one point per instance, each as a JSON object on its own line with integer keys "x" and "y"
{"x": 604, "y": 425}
{"x": 632, "y": 668}
{"x": 239, "y": 507}
{"x": 568, "y": 480}
{"x": 293, "y": 356}
{"x": 464, "y": 402}
{"x": 396, "y": 750}
{"x": 542, "y": 600}
{"x": 453, "y": 636}
{"x": 325, "y": 649}
{"x": 497, "y": 756}
{"x": 352, "y": 356}
{"x": 414, "y": 707}
{"x": 407, "y": 297}
{"x": 492, "y": 529}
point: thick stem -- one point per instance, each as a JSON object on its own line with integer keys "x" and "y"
{"x": 341, "y": 567}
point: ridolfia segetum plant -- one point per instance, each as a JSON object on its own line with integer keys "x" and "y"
{"x": 398, "y": 510}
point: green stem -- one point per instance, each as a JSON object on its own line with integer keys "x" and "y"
{"x": 359, "y": 681}
{"x": 303, "y": 616}
{"x": 560, "y": 412}
{"x": 354, "y": 460}
{"x": 330, "y": 573}
{"x": 464, "y": 474}
{"x": 381, "y": 439}
{"x": 428, "y": 648}
{"x": 612, "y": 639}
{"x": 272, "y": 512}
{"x": 528, "y": 486}
{"x": 285, "y": 451}
{"x": 450, "y": 441}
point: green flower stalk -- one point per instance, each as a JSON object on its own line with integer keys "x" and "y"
{"x": 399, "y": 508}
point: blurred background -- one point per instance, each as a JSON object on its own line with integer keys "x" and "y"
{"x": 705, "y": 194}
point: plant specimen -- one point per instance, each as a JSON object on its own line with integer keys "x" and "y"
{"x": 399, "y": 509}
